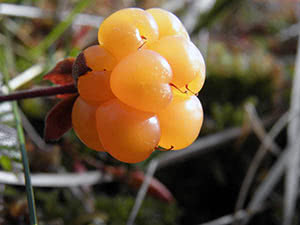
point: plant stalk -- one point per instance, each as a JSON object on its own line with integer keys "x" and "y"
{"x": 41, "y": 92}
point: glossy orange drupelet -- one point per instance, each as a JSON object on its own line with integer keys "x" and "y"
{"x": 139, "y": 90}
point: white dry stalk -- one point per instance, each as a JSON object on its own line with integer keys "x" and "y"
{"x": 196, "y": 8}
{"x": 273, "y": 177}
{"x": 26, "y": 76}
{"x": 257, "y": 159}
{"x": 37, "y": 13}
{"x": 289, "y": 32}
{"x": 55, "y": 180}
{"x": 173, "y": 5}
{"x": 33, "y": 134}
{"x": 201, "y": 146}
{"x": 23, "y": 78}
{"x": 229, "y": 219}
{"x": 259, "y": 130}
{"x": 266, "y": 187}
{"x": 142, "y": 192}
{"x": 292, "y": 176}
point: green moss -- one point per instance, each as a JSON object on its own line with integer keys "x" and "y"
{"x": 151, "y": 212}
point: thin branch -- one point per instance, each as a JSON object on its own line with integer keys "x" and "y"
{"x": 142, "y": 192}
{"x": 35, "y": 93}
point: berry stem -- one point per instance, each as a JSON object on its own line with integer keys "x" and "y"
{"x": 35, "y": 93}
{"x": 187, "y": 88}
{"x": 177, "y": 88}
{"x": 159, "y": 148}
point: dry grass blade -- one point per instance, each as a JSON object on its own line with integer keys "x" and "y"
{"x": 259, "y": 130}
{"x": 23, "y": 78}
{"x": 37, "y": 13}
{"x": 268, "y": 183}
{"x": 263, "y": 149}
{"x": 229, "y": 219}
{"x": 26, "y": 76}
{"x": 201, "y": 146}
{"x": 22, "y": 11}
{"x": 292, "y": 176}
{"x": 289, "y": 32}
{"x": 173, "y": 6}
{"x": 55, "y": 180}
{"x": 33, "y": 135}
{"x": 196, "y": 8}
{"x": 142, "y": 192}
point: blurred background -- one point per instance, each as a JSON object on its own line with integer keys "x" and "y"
{"x": 243, "y": 168}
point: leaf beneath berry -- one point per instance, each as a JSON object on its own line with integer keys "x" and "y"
{"x": 156, "y": 188}
{"x": 62, "y": 72}
{"x": 59, "y": 119}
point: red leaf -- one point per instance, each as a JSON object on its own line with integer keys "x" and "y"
{"x": 59, "y": 119}
{"x": 156, "y": 188}
{"x": 136, "y": 178}
{"x": 62, "y": 72}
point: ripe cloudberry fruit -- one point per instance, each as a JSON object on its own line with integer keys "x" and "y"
{"x": 137, "y": 87}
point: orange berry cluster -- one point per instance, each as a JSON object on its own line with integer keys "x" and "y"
{"x": 139, "y": 92}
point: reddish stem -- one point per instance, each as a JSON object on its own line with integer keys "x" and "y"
{"x": 35, "y": 93}
{"x": 173, "y": 85}
{"x": 164, "y": 149}
{"x": 187, "y": 87}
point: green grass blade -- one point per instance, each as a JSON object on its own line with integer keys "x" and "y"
{"x": 29, "y": 189}
{"x": 59, "y": 29}
{"x": 20, "y": 134}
